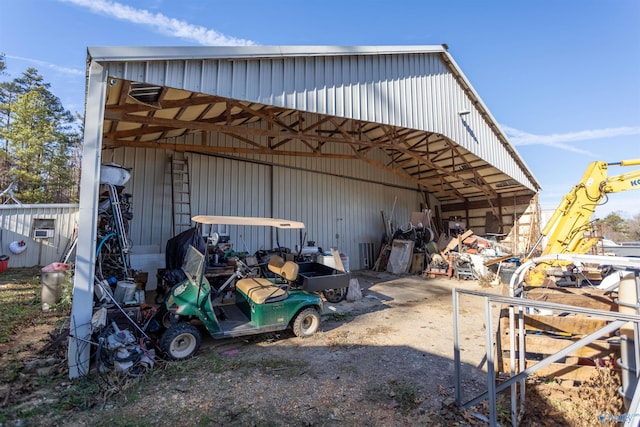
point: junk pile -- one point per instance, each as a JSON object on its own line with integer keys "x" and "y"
{"x": 122, "y": 321}
{"x": 418, "y": 248}
{"x": 119, "y": 349}
{"x": 121, "y": 333}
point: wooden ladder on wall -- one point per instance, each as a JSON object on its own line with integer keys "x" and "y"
{"x": 180, "y": 193}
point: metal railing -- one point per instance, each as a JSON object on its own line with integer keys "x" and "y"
{"x": 519, "y": 371}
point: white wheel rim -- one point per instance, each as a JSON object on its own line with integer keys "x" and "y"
{"x": 308, "y": 324}
{"x": 183, "y": 345}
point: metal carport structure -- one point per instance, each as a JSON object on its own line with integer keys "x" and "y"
{"x": 407, "y": 112}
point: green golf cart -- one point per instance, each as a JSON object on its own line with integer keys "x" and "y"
{"x": 260, "y": 305}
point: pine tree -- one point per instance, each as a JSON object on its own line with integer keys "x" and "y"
{"x": 39, "y": 140}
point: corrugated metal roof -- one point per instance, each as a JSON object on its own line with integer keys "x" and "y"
{"x": 403, "y": 101}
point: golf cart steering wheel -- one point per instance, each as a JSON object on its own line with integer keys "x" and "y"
{"x": 215, "y": 237}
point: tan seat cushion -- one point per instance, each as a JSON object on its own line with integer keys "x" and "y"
{"x": 287, "y": 270}
{"x": 261, "y": 290}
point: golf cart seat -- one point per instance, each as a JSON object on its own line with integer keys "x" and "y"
{"x": 261, "y": 290}
{"x": 287, "y": 270}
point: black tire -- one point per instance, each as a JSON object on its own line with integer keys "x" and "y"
{"x": 165, "y": 318}
{"x": 335, "y": 295}
{"x": 180, "y": 341}
{"x": 306, "y": 322}
{"x": 161, "y": 295}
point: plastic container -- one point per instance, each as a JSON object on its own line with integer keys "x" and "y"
{"x": 4, "y": 263}
{"x": 114, "y": 174}
{"x": 51, "y": 287}
{"x": 328, "y": 260}
{"x": 125, "y": 291}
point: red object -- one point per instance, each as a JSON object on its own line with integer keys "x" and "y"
{"x": 55, "y": 266}
{"x": 4, "y": 264}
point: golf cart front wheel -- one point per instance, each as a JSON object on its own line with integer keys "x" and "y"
{"x": 180, "y": 341}
{"x": 306, "y": 322}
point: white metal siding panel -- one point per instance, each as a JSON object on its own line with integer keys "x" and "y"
{"x": 230, "y": 187}
{"x": 327, "y": 204}
{"x": 337, "y": 211}
{"x": 150, "y": 189}
{"x": 16, "y": 224}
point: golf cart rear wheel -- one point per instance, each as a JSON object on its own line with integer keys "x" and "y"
{"x": 180, "y": 341}
{"x": 306, "y": 323}
{"x": 335, "y": 295}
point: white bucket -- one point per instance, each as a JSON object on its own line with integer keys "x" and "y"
{"x": 114, "y": 174}
{"x": 125, "y": 291}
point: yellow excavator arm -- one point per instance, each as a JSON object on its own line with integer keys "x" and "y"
{"x": 572, "y": 218}
{"x": 567, "y": 225}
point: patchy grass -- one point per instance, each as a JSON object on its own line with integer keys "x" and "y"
{"x": 205, "y": 361}
{"x": 286, "y": 368}
{"x": 339, "y": 316}
{"x": 19, "y": 299}
{"x": 401, "y": 394}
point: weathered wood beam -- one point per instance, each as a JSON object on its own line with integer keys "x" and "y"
{"x": 166, "y": 104}
{"x": 223, "y": 128}
{"x": 109, "y": 144}
{"x": 483, "y": 204}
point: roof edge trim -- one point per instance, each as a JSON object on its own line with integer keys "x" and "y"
{"x": 479, "y": 105}
{"x": 164, "y": 53}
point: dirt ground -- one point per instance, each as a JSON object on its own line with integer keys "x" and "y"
{"x": 385, "y": 360}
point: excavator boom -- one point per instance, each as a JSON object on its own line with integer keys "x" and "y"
{"x": 567, "y": 225}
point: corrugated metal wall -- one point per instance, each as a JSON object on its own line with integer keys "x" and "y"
{"x": 338, "y": 211}
{"x": 414, "y": 90}
{"x": 150, "y": 187}
{"x": 16, "y": 224}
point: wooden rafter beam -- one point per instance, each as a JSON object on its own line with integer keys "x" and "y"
{"x": 455, "y": 154}
{"x": 486, "y": 189}
{"x": 398, "y": 146}
{"x": 399, "y": 171}
{"x": 124, "y": 107}
{"x": 141, "y": 131}
{"x": 414, "y": 155}
{"x": 223, "y": 128}
{"x": 402, "y": 174}
{"x": 108, "y": 144}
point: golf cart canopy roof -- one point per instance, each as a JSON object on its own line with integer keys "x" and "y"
{"x": 247, "y": 220}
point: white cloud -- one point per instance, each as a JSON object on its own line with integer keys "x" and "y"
{"x": 562, "y": 140}
{"x": 161, "y": 23}
{"x": 64, "y": 70}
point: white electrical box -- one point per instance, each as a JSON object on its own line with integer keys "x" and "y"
{"x": 42, "y": 233}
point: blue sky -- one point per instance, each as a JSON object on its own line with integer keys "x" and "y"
{"x": 561, "y": 77}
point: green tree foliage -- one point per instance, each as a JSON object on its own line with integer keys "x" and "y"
{"x": 615, "y": 222}
{"x": 40, "y": 141}
{"x": 618, "y": 229}
{"x": 634, "y": 229}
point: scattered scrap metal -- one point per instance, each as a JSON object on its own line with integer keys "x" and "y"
{"x": 419, "y": 248}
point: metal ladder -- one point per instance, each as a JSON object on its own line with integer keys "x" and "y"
{"x": 180, "y": 193}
